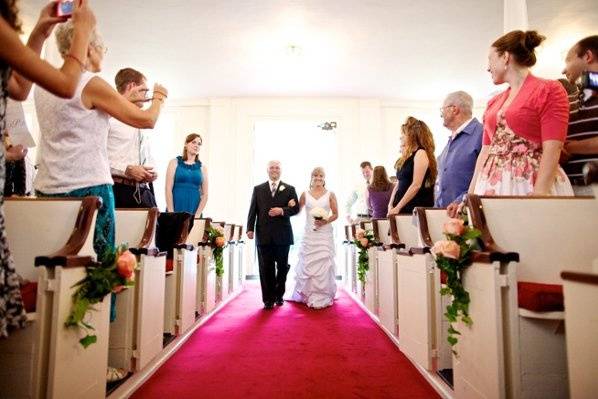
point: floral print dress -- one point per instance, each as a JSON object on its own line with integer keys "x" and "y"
{"x": 12, "y": 310}
{"x": 512, "y": 165}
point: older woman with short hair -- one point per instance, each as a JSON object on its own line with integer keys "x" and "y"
{"x": 72, "y": 148}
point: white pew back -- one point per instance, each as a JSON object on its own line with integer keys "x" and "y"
{"x": 46, "y": 359}
{"x": 407, "y": 232}
{"x": 581, "y": 302}
{"x": 571, "y": 223}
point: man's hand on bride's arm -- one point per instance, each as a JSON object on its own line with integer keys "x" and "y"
{"x": 275, "y": 212}
{"x": 250, "y": 235}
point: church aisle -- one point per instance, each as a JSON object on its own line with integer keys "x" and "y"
{"x": 288, "y": 352}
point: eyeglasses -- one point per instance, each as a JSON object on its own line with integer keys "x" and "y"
{"x": 445, "y": 107}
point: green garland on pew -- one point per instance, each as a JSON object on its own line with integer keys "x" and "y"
{"x": 217, "y": 243}
{"x": 452, "y": 257}
{"x": 364, "y": 239}
{"x": 116, "y": 270}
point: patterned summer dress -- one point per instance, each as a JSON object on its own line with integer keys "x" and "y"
{"x": 12, "y": 311}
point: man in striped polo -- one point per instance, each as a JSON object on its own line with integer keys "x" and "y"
{"x": 582, "y": 137}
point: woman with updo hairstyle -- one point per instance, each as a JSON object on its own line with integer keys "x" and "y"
{"x": 187, "y": 180}
{"x": 416, "y": 169}
{"x": 524, "y": 126}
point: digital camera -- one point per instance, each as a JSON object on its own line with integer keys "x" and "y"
{"x": 589, "y": 80}
{"x": 65, "y": 8}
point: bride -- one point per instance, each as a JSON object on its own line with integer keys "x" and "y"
{"x": 315, "y": 271}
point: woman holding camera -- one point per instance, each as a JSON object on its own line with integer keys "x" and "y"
{"x": 20, "y": 66}
{"x": 74, "y": 133}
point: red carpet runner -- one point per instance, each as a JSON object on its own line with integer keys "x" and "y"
{"x": 287, "y": 352}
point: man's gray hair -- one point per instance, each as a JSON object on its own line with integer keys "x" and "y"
{"x": 462, "y": 100}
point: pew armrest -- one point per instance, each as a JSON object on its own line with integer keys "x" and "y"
{"x": 188, "y": 247}
{"x": 494, "y": 256}
{"x": 64, "y": 261}
{"x": 150, "y": 229}
{"x": 154, "y": 252}
{"x": 586, "y": 278}
{"x": 67, "y": 256}
{"x": 419, "y": 250}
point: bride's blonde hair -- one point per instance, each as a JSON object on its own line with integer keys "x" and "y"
{"x": 317, "y": 169}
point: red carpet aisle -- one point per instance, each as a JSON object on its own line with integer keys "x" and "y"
{"x": 289, "y": 352}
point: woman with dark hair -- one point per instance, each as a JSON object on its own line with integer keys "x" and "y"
{"x": 416, "y": 169}
{"x": 524, "y": 126}
{"x": 187, "y": 180}
{"x": 20, "y": 66}
{"x": 379, "y": 193}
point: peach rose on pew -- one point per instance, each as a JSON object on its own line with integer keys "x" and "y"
{"x": 219, "y": 229}
{"x": 219, "y": 242}
{"x": 364, "y": 242}
{"x": 126, "y": 264}
{"x": 447, "y": 248}
{"x": 454, "y": 227}
{"x": 360, "y": 234}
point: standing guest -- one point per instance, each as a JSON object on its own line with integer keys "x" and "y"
{"x": 416, "y": 169}
{"x": 74, "y": 134}
{"x": 128, "y": 149}
{"x": 456, "y": 163}
{"x": 356, "y": 202}
{"x": 379, "y": 193}
{"x": 20, "y": 66}
{"x": 524, "y": 126}
{"x": 582, "y": 136}
{"x": 187, "y": 180}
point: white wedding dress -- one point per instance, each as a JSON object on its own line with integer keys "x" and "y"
{"x": 315, "y": 271}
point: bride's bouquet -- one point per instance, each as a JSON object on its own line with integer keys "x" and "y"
{"x": 318, "y": 214}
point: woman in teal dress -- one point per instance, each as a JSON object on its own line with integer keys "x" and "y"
{"x": 187, "y": 180}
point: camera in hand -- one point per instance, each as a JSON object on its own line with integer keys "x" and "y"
{"x": 589, "y": 80}
{"x": 65, "y": 8}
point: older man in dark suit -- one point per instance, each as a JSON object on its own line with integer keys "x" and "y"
{"x": 272, "y": 205}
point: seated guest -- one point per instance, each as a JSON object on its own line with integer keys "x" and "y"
{"x": 128, "y": 149}
{"x": 378, "y": 193}
{"x": 20, "y": 66}
{"x": 187, "y": 180}
{"x": 582, "y": 136}
{"x": 457, "y": 161}
{"x": 416, "y": 169}
{"x": 72, "y": 149}
{"x": 524, "y": 126}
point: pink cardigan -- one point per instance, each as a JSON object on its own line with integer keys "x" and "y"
{"x": 539, "y": 112}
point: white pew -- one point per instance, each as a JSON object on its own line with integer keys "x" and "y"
{"x": 137, "y": 333}
{"x": 232, "y": 260}
{"x": 45, "y": 360}
{"x": 351, "y": 258}
{"x": 388, "y": 310}
{"x": 181, "y": 272}
{"x": 369, "y": 292}
{"x": 511, "y": 351}
{"x": 206, "y": 273}
{"x": 422, "y": 329}
{"x": 581, "y": 302}
{"x": 226, "y": 260}
{"x": 239, "y": 257}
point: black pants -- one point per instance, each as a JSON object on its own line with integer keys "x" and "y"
{"x": 126, "y": 196}
{"x": 274, "y": 267}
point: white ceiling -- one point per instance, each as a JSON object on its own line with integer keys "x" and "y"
{"x": 415, "y": 50}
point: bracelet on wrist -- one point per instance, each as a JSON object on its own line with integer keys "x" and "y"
{"x": 77, "y": 60}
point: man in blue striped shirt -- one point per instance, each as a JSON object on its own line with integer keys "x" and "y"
{"x": 456, "y": 163}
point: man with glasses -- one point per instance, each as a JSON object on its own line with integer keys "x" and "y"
{"x": 131, "y": 164}
{"x": 456, "y": 163}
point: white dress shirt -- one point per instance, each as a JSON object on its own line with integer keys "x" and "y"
{"x": 127, "y": 145}
{"x": 356, "y": 203}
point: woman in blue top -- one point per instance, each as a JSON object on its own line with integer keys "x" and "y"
{"x": 187, "y": 180}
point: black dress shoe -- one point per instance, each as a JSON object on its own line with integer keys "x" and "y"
{"x": 268, "y": 306}
{"x": 279, "y": 302}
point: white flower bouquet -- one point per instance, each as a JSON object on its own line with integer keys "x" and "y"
{"x": 319, "y": 214}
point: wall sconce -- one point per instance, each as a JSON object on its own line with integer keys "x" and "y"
{"x": 328, "y": 126}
